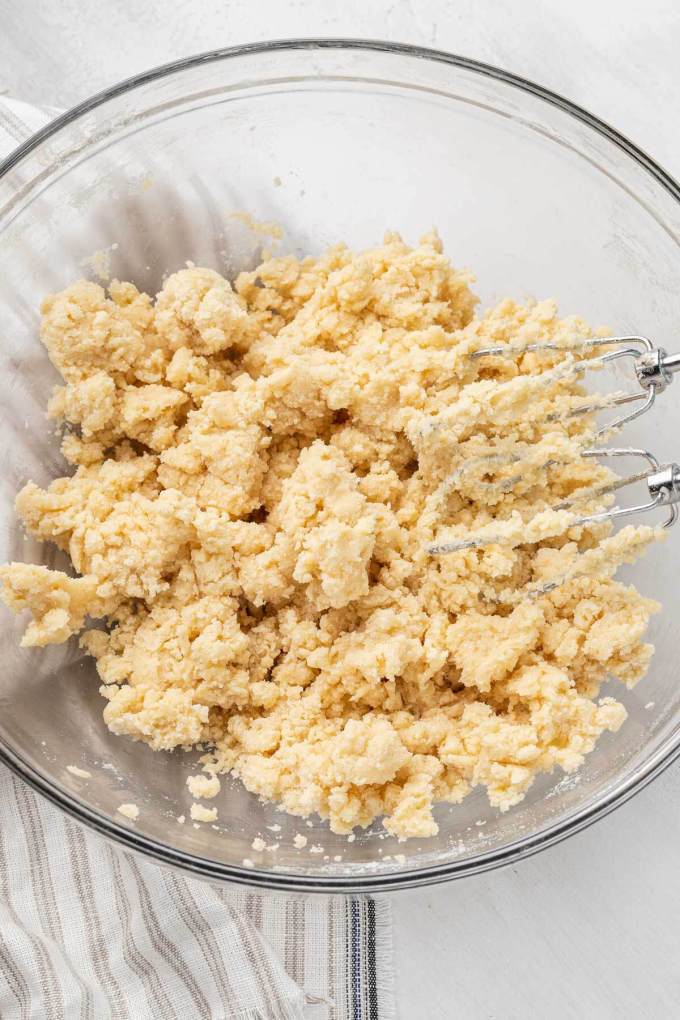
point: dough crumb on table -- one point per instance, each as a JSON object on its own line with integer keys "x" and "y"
{"x": 259, "y": 470}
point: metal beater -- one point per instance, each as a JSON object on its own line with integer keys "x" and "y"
{"x": 654, "y": 370}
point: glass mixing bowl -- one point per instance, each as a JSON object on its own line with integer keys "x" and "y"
{"x": 333, "y": 140}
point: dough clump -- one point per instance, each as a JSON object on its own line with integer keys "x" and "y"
{"x": 261, "y": 472}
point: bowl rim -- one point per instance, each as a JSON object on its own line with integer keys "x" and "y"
{"x": 349, "y": 882}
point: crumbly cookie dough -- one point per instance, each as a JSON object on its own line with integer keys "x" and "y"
{"x": 200, "y": 813}
{"x": 130, "y": 811}
{"x": 203, "y": 786}
{"x": 260, "y": 473}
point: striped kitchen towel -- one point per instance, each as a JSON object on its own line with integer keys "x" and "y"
{"x": 90, "y": 932}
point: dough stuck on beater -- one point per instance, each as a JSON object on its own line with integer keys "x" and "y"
{"x": 259, "y": 471}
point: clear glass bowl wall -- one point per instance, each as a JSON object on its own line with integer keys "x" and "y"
{"x": 333, "y": 142}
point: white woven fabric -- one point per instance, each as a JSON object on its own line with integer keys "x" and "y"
{"x": 90, "y": 932}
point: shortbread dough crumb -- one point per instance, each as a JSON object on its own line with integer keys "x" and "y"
{"x": 258, "y": 844}
{"x": 263, "y": 474}
{"x": 203, "y": 786}
{"x": 80, "y": 773}
{"x": 299, "y": 841}
{"x": 200, "y": 813}
{"x": 130, "y": 811}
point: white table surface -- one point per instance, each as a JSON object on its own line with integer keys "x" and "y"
{"x": 590, "y": 929}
